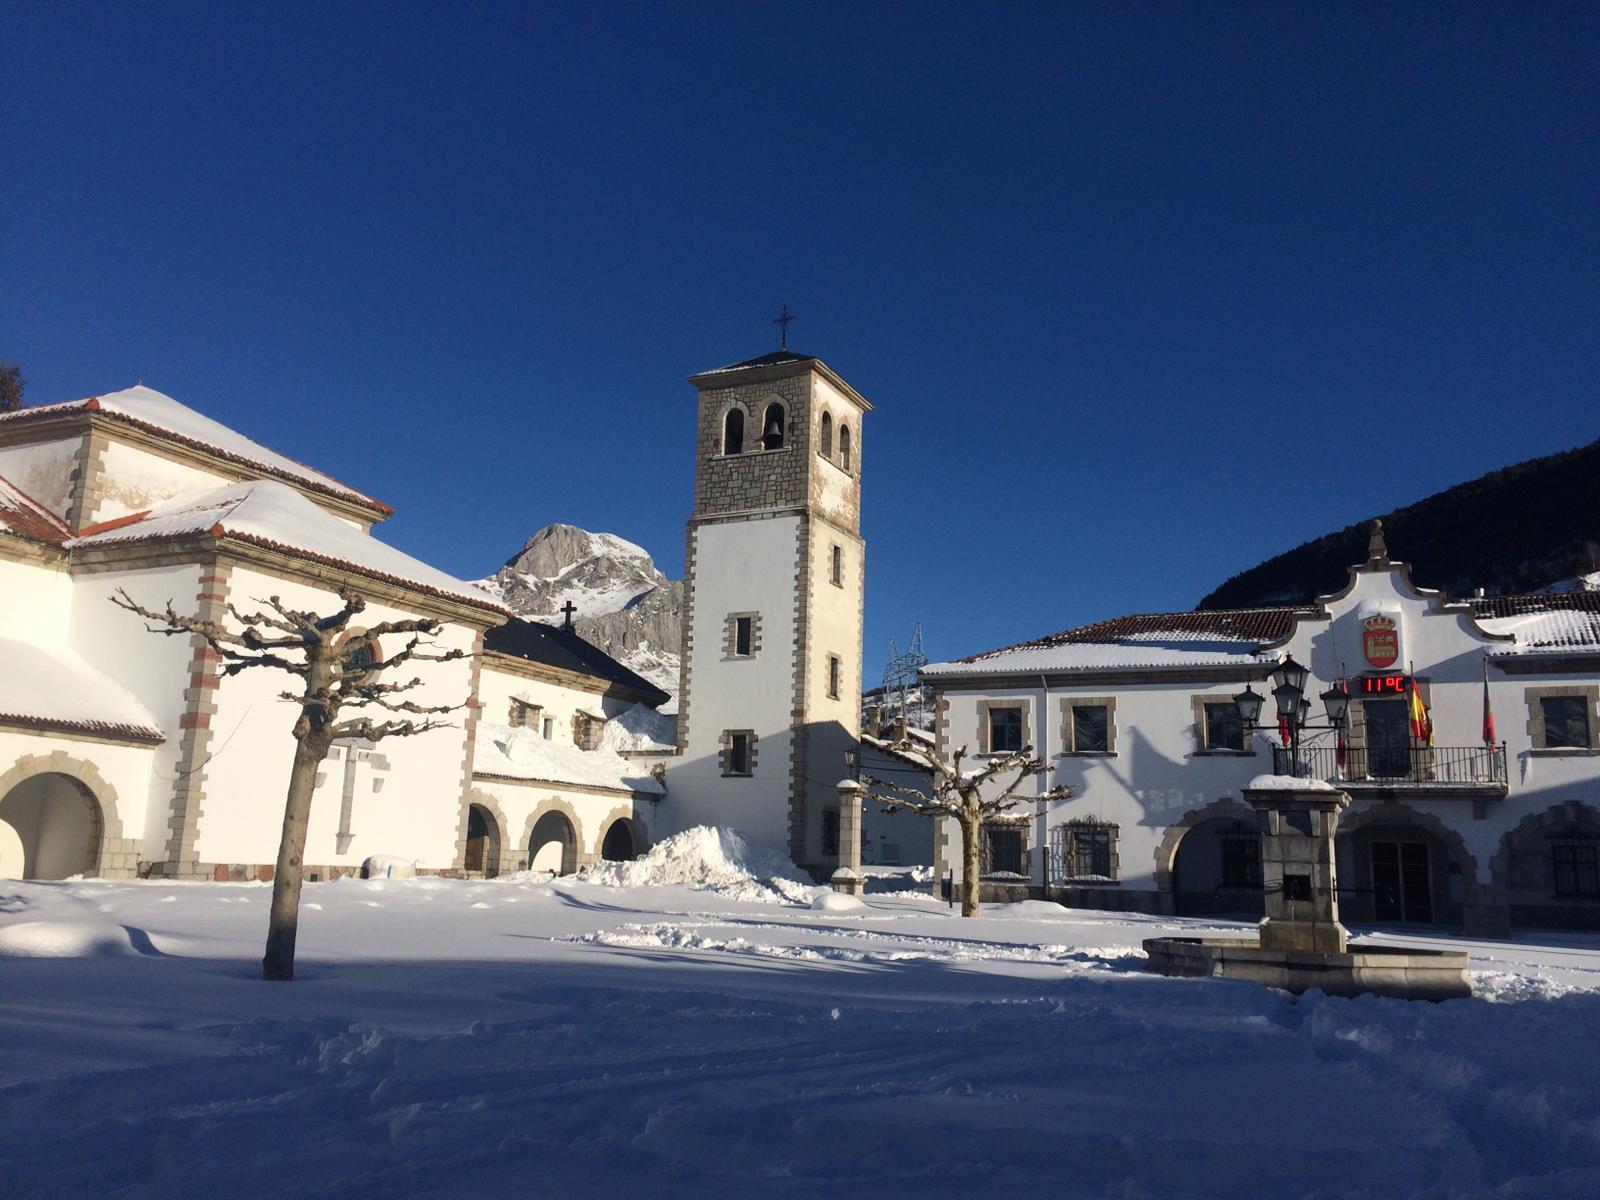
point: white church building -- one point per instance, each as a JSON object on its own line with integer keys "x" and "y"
{"x": 127, "y": 753}
{"x": 1138, "y": 715}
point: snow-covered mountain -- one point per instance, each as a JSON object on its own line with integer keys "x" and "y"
{"x": 622, "y": 603}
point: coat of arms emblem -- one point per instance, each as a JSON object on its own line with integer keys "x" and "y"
{"x": 1380, "y": 641}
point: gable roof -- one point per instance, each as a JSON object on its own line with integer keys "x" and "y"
{"x": 264, "y": 512}
{"x": 22, "y": 515}
{"x": 154, "y": 412}
{"x": 557, "y": 646}
{"x": 777, "y": 358}
{"x": 1221, "y": 637}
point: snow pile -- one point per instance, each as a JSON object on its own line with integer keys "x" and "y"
{"x": 517, "y": 753}
{"x": 640, "y": 728}
{"x": 388, "y": 866}
{"x": 64, "y": 939}
{"x": 709, "y": 859}
{"x": 1288, "y": 783}
{"x": 54, "y": 684}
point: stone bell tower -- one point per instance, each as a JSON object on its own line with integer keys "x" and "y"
{"x": 770, "y": 694}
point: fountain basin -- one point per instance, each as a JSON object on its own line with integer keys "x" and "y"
{"x": 1361, "y": 970}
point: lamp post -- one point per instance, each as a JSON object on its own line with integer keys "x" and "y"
{"x": 1294, "y": 710}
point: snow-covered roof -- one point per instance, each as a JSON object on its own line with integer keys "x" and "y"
{"x": 640, "y": 729}
{"x": 24, "y": 516}
{"x": 153, "y": 411}
{"x": 50, "y": 687}
{"x": 517, "y": 753}
{"x": 1543, "y": 623}
{"x": 1220, "y": 637}
{"x": 265, "y": 512}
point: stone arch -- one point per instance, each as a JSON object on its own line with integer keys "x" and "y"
{"x": 844, "y": 447}
{"x": 107, "y": 853}
{"x": 1167, "y": 849}
{"x": 1393, "y": 815}
{"x": 825, "y": 442}
{"x": 571, "y": 857}
{"x": 504, "y": 853}
{"x": 1504, "y": 887}
{"x": 624, "y": 816}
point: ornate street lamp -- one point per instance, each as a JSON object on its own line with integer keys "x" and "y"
{"x": 1294, "y": 710}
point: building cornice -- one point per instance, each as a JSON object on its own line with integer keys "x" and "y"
{"x": 710, "y": 381}
{"x": 1029, "y": 681}
{"x": 561, "y": 785}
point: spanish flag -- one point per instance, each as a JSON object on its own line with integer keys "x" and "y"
{"x": 1421, "y": 722}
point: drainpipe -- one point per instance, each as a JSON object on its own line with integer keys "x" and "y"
{"x": 1042, "y": 784}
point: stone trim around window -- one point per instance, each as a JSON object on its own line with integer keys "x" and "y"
{"x": 1199, "y": 702}
{"x": 730, "y": 635}
{"x": 1536, "y": 731}
{"x": 1068, "y": 732}
{"x": 725, "y": 754}
{"x": 985, "y": 707}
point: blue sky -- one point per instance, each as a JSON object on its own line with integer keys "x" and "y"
{"x": 1143, "y": 293}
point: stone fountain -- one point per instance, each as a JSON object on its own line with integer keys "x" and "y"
{"x": 1301, "y": 944}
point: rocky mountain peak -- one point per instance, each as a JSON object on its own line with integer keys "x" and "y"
{"x": 623, "y": 604}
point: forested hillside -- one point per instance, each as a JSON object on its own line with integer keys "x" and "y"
{"x": 1513, "y": 530}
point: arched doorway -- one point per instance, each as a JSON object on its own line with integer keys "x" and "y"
{"x": 1394, "y": 867}
{"x": 483, "y": 842}
{"x": 618, "y": 844}
{"x": 1548, "y": 868}
{"x": 553, "y": 845}
{"x": 1217, "y": 870}
{"x": 50, "y": 828}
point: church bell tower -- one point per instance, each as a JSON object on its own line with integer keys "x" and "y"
{"x": 770, "y": 694}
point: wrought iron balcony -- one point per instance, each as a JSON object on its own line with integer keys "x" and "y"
{"x": 1480, "y": 770}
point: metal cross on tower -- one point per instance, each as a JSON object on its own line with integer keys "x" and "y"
{"x": 568, "y": 609}
{"x": 783, "y": 319}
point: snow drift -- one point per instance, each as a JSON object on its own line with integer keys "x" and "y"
{"x": 709, "y": 859}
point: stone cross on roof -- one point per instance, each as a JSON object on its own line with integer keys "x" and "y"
{"x": 568, "y": 609}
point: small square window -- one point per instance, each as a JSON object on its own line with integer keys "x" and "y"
{"x": 1005, "y": 730}
{"x": 1091, "y": 729}
{"x": 1224, "y": 727}
{"x": 1566, "y": 722}
{"x": 743, "y": 628}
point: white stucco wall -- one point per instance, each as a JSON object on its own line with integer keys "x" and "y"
{"x": 43, "y": 470}
{"x": 740, "y": 566}
{"x": 155, "y": 668}
{"x": 412, "y": 813}
{"x": 37, "y": 601}
{"x": 497, "y": 687}
{"x": 134, "y": 479}
{"x": 833, "y": 723}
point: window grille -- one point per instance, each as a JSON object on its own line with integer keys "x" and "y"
{"x": 1575, "y": 864}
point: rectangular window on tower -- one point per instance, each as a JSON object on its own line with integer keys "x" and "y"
{"x": 741, "y": 636}
{"x": 833, "y": 676}
{"x": 836, "y": 567}
{"x": 738, "y": 752}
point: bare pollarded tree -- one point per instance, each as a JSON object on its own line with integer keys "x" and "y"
{"x": 958, "y": 794}
{"x": 338, "y": 671}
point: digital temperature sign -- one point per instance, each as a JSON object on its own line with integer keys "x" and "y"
{"x": 1385, "y": 685}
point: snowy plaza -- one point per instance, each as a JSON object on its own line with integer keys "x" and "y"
{"x": 695, "y": 1024}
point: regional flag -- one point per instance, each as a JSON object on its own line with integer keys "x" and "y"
{"x": 1488, "y": 709}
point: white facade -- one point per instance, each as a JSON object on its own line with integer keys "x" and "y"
{"x": 1455, "y": 833}
{"x": 770, "y": 698}
{"x": 124, "y": 752}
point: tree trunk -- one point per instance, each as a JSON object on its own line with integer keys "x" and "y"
{"x": 284, "y": 920}
{"x": 970, "y": 874}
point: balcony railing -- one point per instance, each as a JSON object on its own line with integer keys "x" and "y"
{"x": 1480, "y": 768}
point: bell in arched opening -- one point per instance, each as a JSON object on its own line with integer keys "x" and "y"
{"x": 772, "y": 428}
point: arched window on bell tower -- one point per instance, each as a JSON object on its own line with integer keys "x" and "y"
{"x": 826, "y": 447}
{"x": 733, "y": 432}
{"x": 772, "y": 428}
{"x": 844, "y": 446}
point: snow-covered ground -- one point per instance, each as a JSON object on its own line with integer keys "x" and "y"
{"x": 738, "y": 1035}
